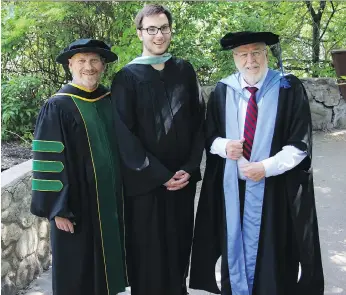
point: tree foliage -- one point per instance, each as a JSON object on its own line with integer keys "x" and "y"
{"x": 21, "y": 99}
{"x": 33, "y": 33}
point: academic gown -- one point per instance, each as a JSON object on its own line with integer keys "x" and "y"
{"x": 289, "y": 230}
{"x": 159, "y": 118}
{"x": 75, "y": 175}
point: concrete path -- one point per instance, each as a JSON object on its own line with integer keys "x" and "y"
{"x": 330, "y": 189}
{"x": 329, "y": 161}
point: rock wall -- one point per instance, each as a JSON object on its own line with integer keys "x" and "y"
{"x": 328, "y": 108}
{"x": 24, "y": 237}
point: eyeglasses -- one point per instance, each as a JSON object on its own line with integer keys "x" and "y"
{"x": 155, "y": 30}
{"x": 254, "y": 54}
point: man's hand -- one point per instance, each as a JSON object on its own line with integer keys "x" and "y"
{"x": 178, "y": 181}
{"x": 254, "y": 171}
{"x": 234, "y": 149}
{"x": 64, "y": 224}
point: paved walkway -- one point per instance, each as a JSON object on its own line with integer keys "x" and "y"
{"x": 330, "y": 188}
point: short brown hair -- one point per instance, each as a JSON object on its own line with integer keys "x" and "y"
{"x": 152, "y": 9}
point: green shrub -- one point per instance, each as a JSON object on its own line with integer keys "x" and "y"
{"x": 21, "y": 100}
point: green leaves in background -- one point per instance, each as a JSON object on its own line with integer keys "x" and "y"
{"x": 33, "y": 33}
{"x": 22, "y": 97}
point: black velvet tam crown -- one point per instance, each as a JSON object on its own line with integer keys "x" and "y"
{"x": 87, "y": 45}
{"x": 233, "y": 40}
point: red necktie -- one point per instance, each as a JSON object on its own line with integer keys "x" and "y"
{"x": 250, "y": 122}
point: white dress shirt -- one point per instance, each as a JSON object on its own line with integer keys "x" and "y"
{"x": 286, "y": 159}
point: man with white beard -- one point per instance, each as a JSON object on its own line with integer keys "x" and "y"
{"x": 257, "y": 206}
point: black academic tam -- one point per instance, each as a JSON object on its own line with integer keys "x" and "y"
{"x": 233, "y": 40}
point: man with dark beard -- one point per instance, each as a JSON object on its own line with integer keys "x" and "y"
{"x": 257, "y": 205}
{"x": 159, "y": 115}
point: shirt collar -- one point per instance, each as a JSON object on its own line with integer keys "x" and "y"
{"x": 259, "y": 84}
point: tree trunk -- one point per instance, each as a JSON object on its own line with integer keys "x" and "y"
{"x": 316, "y": 30}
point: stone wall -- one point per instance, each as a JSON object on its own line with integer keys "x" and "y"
{"x": 24, "y": 237}
{"x": 328, "y": 108}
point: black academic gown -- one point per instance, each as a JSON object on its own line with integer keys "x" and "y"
{"x": 289, "y": 231}
{"x": 159, "y": 118}
{"x": 75, "y": 175}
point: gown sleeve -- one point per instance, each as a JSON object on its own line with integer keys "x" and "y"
{"x": 192, "y": 166}
{"x": 301, "y": 124}
{"x": 50, "y": 182}
{"x": 209, "y": 230}
{"x": 300, "y": 189}
{"x": 142, "y": 171}
{"x": 215, "y": 116}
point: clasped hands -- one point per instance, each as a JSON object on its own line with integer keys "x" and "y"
{"x": 178, "y": 181}
{"x": 254, "y": 170}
